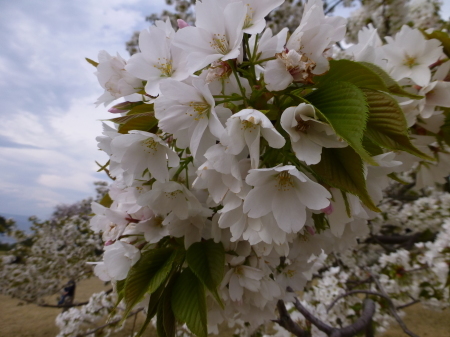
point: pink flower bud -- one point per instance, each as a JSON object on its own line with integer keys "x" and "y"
{"x": 109, "y": 243}
{"x": 182, "y": 24}
{"x": 310, "y": 230}
{"x": 328, "y": 210}
{"x": 115, "y": 110}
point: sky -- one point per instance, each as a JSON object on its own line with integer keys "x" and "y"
{"x": 47, "y": 92}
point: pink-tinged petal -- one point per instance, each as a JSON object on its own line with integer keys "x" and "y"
{"x": 182, "y": 24}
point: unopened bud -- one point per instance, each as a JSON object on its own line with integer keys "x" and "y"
{"x": 310, "y": 230}
{"x": 182, "y": 24}
{"x": 109, "y": 243}
{"x": 123, "y": 107}
{"x": 328, "y": 210}
{"x": 115, "y": 110}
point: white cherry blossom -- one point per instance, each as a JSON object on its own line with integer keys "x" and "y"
{"x": 409, "y": 55}
{"x": 140, "y": 150}
{"x": 308, "y": 134}
{"x": 245, "y": 128}
{"x": 217, "y": 34}
{"x": 286, "y": 193}
{"x": 159, "y": 59}
{"x": 113, "y": 77}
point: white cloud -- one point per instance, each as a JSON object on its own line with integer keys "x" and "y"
{"x": 49, "y": 122}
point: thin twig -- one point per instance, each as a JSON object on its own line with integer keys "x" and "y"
{"x": 110, "y": 323}
{"x": 392, "y": 307}
{"x": 408, "y": 304}
{"x": 358, "y": 291}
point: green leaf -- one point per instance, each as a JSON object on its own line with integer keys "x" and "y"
{"x": 120, "y": 285}
{"x": 147, "y": 275}
{"x": 345, "y": 108}
{"x": 363, "y": 75}
{"x": 387, "y": 125}
{"x": 320, "y": 222}
{"x": 441, "y": 36}
{"x": 141, "y": 108}
{"x": 165, "y": 320}
{"x": 152, "y": 308}
{"x": 127, "y": 118}
{"x": 107, "y": 202}
{"x": 142, "y": 122}
{"x": 95, "y": 64}
{"x": 207, "y": 259}
{"x": 392, "y": 86}
{"x": 371, "y": 147}
{"x": 352, "y": 72}
{"x": 189, "y": 303}
{"x": 344, "y": 169}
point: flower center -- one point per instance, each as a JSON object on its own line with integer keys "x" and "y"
{"x": 302, "y": 126}
{"x": 172, "y": 195}
{"x": 248, "y": 17}
{"x": 219, "y": 43}
{"x": 201, "y": 110}
{"x": 158, "y": 221}
{"x": 150, "y": 144}
{"x": 165, "y": 66}
{"x": 249, "y": 124}
{"x": 409, "y": 61}
{"x": 285, "y": 181}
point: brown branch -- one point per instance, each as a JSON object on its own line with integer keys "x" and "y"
{"x": 358, "y": 291}
{"x": 363, "y": 323}
{"x": 408, "y": 304}
{"x": 286, "y": 322}
{"x": 109, "y": 323}
{"x": 322, "y": 326}
{"x": 392, "y": 307}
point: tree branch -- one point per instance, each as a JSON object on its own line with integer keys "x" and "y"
{"x": 286, "y": 321}
{"x": 358, "y": 291}
{"x": 392, "y": 307}
{"x": 363, "y": 323}
{"x": 310, "y": 317}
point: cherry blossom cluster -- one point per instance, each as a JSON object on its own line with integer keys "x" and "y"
{"x": 235, "y": 135}
{"x": 43, "y": 261}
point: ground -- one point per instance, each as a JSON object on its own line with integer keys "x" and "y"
{"x": 28, "y": 320}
